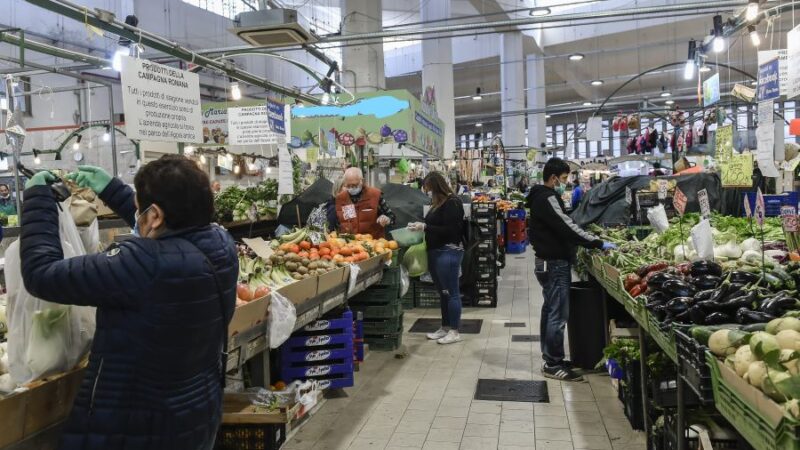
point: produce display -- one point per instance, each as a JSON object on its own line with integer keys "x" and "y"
{"x": 235, "y": 204}
{"x": 502, "y": 205}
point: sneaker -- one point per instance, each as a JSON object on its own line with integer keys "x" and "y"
{"x": 451, "y": 337}
{"x": 562, "y": 373}
{"x": 438, "y": 334}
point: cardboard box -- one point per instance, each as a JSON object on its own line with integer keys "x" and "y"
{"x": 300, "y": 291}
{"x": 46, "y": 403}
{"x": 333, "y": 279}
{"x": 237, "y": 409}
{"x": 249, "y": 315}
{"x": 370, "y": 264}
{"x": 769, "y": 409}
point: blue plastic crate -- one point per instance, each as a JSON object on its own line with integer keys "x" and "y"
{"x": 343, "y": 352}
{"x": 322, "y": 370}
{"x": 317, "y": 341}
{"x": 773, "y": 203}
{"x": 337, "y": 382}
{"x": 345, "y": 324}
{"x": 516, "y": 214}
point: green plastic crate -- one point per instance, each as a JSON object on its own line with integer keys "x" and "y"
{"x": 388, "y": 311}
{"x": 408, "y": 299}
{"x": 748, "y": 420}
{"x": 391, "y": 277}
{"x": 426, "y": 296}
{"x": 664, "y": 339}
{"x": 378, "y": 295}
{"x": 385, "y": 343}
{"x": 636, "y": 308}
{"x": 382, "y": 326}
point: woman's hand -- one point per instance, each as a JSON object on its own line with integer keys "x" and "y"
{"x": 416, "y": 226}
{"x": 42, "y": 178}
{"x": 91, "y": 177}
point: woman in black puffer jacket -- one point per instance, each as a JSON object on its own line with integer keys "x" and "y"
{"x": 164, "y": 300}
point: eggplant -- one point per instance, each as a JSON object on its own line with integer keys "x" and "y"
{"x": 657, "y": 297}
{"x": 656, "y": 282}
{"x": 782, "y": 275}
{"x": 734, "y": 290}
{"x": 704, "y": 295}
{"x": 710, "y": 306}
{"x": 683, "y": 317}
{"x": 704, "y": 267}
{"x": 745, "y": 300}
{"x": 705, "y": 282}
{"x": 717, "y": 318}
{"x": 740, "y": 276}
{"x": 776, "y": 305}
{"x": 745, "y": 316}
{"x": 678, "y": 288}
{"x": 697, "y": 315}
{"x": 679, "y": 305}
{"x": 658, "y": 311}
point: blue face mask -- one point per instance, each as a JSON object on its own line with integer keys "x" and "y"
{"x": 561, "y": 188}
{"x": 136, "y": 221}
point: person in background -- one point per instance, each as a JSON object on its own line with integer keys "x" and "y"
{"x": 8, "y": 204}
{"x": 657, "y": 170}
{"x": 554, "y": 237}
{"x": 164, "y": 300}
{"x": 522, "y": 186}
{"x": 577, "y": 192}
{"x": 444, "y": 230}
{"x": 360, "y": 209}
{"x": 216, "y": 187}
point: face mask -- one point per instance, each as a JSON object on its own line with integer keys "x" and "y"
{"x": 561, "y": 188}
{"x": 354, "y": 191}
{"x": 429, "y": 194}
{"x": 5, "y": 196}
{"x": 136, "y": 221}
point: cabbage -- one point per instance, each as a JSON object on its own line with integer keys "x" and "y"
{"x": 782, "y": 323}
{"x": 788, "y": 339}
{"x": 416, "y": 260}
{"x": 742, "y": 360}
{"x": 774, "y": 385}
{"x": 751, "y": 244}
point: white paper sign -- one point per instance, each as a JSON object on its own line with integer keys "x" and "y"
{"x": 765, "y": 135}
{"x": 793, "y": 63}
{"x": 662, "y": 189}
{"x": 161, "y": 103}
{"x": 285, "y": 179}
{"x": 594, "y": 129}
{"x": 765, "y": 112}
{"x": 249, "y": 125}
{"x": 705, "y": 205}
{"x": 765, "y": 56}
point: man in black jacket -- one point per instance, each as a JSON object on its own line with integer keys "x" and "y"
{"x": 554, "y": 237}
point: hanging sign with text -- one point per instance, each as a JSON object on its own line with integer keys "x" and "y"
{"x": 679, "y": 201}
{"x": 161, "y": 103}
{"x": 249, "y": 125}
{"x": 705, "y": 205}
{"x": 769, "y": 80}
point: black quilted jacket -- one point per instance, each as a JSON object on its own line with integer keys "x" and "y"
{"x": 153, "y": 379}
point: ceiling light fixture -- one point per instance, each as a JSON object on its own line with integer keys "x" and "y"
{"x": 665, "y": 93}
{"x": 587, "y": 103}
{"x": 751, "y": 12}
{"x": 705, "y": 69}
{"x": 719, "y": 39}
{"x": 576, "y": 57}
{"x": 597, "y": 82}
{"x": 77, "y": 144}
{"x": 538, "y": 12}
{"x": 107, "y": 134}
{"x": 755, "y": 38}
{"x": 203, "y": 159}
{"x": 670, "y": 102}
{"x": 477, "y": 95}
{"x": 478, "y": 124}
{"x": 36, "y": 159}
{"x": 688, "y": 71}
{"x": 547, "y": 116}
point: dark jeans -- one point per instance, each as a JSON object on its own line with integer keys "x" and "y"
{"x": 555, "y": 277}
{"x": 444, "y": 265}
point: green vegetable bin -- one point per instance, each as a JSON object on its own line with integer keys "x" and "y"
{"x": 664, "y": 339}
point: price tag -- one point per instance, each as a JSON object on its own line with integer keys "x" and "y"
{"x": 790, "y": 223}
{"x": 662, "y": 189}
{"x": 679, "y": 201}
{"x": 748, "y": 212}
{"x": 628, "y": 195}
{"x": 760, "y": 208}
{"x": 349, "y": 212}
{"x": 705, "y": 205}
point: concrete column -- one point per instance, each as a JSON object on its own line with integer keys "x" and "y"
{"x": 437, "y": 71}
{"x": 362, "y": 65}
{"x": 535, "y": 84}
{"x": 512, "y": 89}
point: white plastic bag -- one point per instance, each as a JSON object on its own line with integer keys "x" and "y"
{"x": 703, "y": 240}
{"x": 90, "y": 237}
{"x": 355, "y": 269}
{"x": 44, "y": 337}
{"x": 405, "y": 281}
{"x": 282, "y": 317}
{"x": 658, "y": 218}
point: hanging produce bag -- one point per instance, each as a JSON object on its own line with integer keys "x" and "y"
{"x": 43, "y": 337}
{"x": 416, "y": 259}
{"x": 282, "y": 317}
{"x": 703, "y": 240}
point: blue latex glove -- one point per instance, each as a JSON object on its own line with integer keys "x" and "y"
{"x": 40, "y": 179}
{"x": 92, "y": 177}
{"x": 609, "y": 246}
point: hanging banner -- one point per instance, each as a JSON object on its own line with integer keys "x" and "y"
{"x": 723, "y": 143}
{"x": 760, "y": 209}
{"x": 765, "y": 56}
{"x": 769, "y": 81}
{"x": 594, "y": 129}
{"x": 249, "y": 125}
{"x": 737, "y": 171}
{"x": 766, "y": 112}
{"x": 793, "y": 63}
{"x": 161, "y": 103}
{"x": 275, "y": 111}
{"x": 285, "y": 172}
{"x": 679, "y": 201}
{"x": 711, "y": 90}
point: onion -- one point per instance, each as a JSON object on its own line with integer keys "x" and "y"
{"x": 243, "y": 292}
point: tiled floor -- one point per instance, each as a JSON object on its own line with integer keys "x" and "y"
{"x": 421, "y": 398}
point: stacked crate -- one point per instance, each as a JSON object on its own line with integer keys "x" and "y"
{"x": 516, "y": 231}
{"x": 381, "y": 308}
{"x": 322, "y": 350}
{"x": 484, "y": 217}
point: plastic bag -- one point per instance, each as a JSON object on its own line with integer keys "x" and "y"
{"x": 405, "y": 281}
{"x": 703, "y": 240}
{"x": 44, "y": 337}
{"x": 416, "y": 259}
{"x": 658, "y": 218}
{"x": 355, "y": 269}
{"x": 282, "y": 317}
{"x": 90, "y": 237}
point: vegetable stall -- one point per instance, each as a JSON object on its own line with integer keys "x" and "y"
{"x": 719, "y": 298}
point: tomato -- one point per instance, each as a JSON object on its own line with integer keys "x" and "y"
{"x": 324, "y": 245}
{"x": 294, "y": 248}
{"x": 303, "y": 254}
{"x": 243, "y": 292}
{"x": 327, "y": 257}
{"x": 313, "y": 256}
{"x": 305, "y": 245}
{"x": 324, "y": 251}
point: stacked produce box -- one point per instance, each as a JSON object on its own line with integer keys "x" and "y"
{"x": 516, "y": 231}
{"x": 484, "y": 216}
{"x": 382, "y": 310}
{"x": 323, "y": 351}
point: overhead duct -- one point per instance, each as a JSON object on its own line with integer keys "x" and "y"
{"x": 273, "y": 28}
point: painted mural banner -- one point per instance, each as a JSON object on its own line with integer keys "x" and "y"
{"x": 373, "y": 118}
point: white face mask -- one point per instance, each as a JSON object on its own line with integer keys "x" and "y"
{"x": 429, "y": 194}
{"x": 354, "y": 191}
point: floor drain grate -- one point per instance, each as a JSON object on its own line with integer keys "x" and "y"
{"x": 525, "y": 338}
{"x": 468, "y": 326}
{"x": 512, "y": 391}
{"x": 515, "y": 325}
{"x": 519, "y": 257}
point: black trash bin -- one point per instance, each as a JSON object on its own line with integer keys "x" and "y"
{"x": 586, "y": 324}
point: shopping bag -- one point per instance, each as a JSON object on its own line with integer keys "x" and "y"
{"x": 416, "y": 259}
{"x": 657, "y": 217}
{"x": 282, "y": 317}
{"x": 43, "y": 337}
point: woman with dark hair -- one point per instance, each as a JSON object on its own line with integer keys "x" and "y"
{"x": 164, "y": 300}
{"x": 444, "y": 229}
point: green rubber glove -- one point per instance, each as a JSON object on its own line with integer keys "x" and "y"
{"x": 40, "y": 179}
{"x": 92, "y": 177}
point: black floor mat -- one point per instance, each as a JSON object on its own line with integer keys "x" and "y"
{"x": 514, "y": 325}
{"x": 468, "y": 326}
{"x": 512, "y": 391}
{"x": 524, "y": 338}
